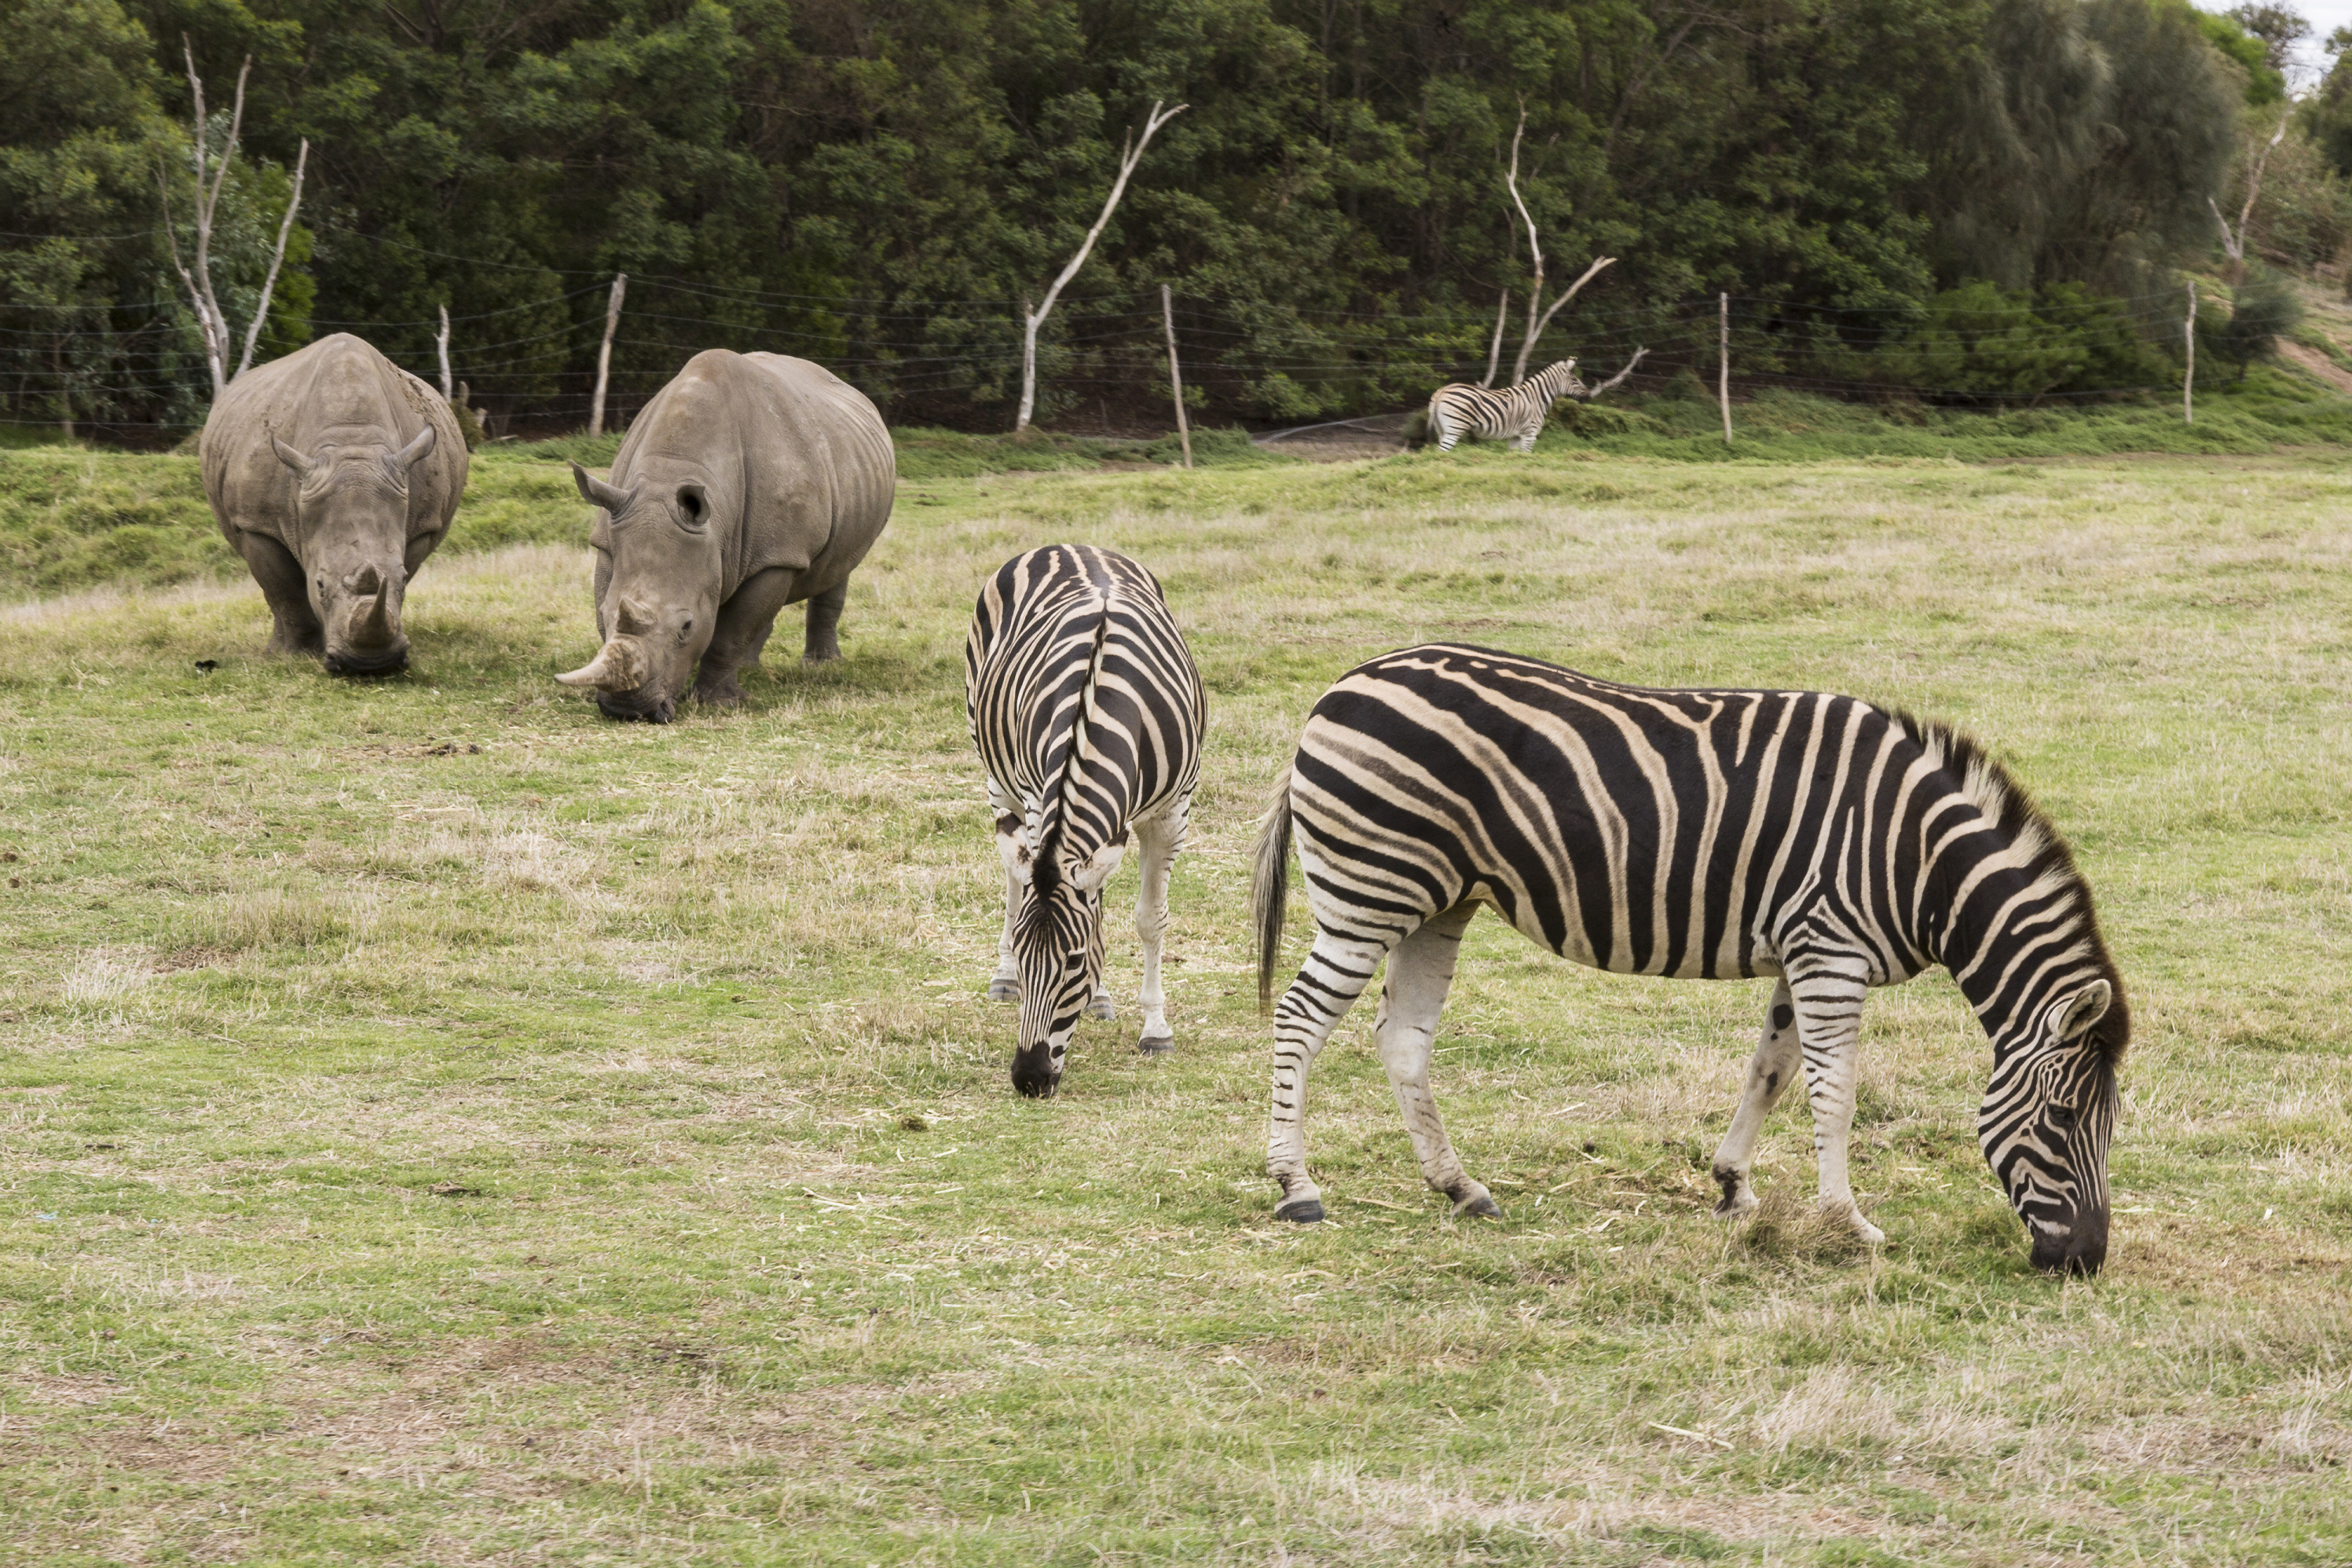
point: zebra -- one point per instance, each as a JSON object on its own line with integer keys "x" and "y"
{"x": 1700, "y": 834}
{"x": 1460, "y": 409}
{"x": 1086, "y": 711}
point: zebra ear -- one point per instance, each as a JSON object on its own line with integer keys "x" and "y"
{"x": 1090, "y": 877}
{"x": 2072, "y": 1015}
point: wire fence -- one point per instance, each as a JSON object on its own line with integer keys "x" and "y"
{"x": 138, "y": 366}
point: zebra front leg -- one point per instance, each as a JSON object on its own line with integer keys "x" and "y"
{"x": 1768, "y": 1076}
{"x": 1012, "y": 844}
{"x": 1829, "y": 1025}
{"x": 1160, "y": 841}
{"x": 1420, "y": 972}
{"x": 1336, "y": 972}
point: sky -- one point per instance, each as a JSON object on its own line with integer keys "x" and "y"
{"x": 2324, "y": 17}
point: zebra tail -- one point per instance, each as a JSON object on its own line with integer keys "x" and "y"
{"x": 1270, "y": 888}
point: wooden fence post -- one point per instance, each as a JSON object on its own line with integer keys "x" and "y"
{"x": 441, "y": 346}
{"x": 2189, "y": 377}
{"x": 1175, "y": 376}
{"x": 604, "y": 354}
{"x": 1723, "y": 375}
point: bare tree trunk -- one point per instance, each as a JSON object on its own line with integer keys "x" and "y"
{"x": 277, "y": 258}
{"x": 441, "y": 348}
{"x": 1130, "y": 156}
{"x": 2233, "y": 243}
{"x": 1536, "y": 323}
{"x": 605, "y": 354}
{"x": 2189, "y": 377}
{"x": 1176, "y": 376}
{"x": 1723, "y": 375}
{"x": 1495, "y": 349}
{"x": 200, "y": 285}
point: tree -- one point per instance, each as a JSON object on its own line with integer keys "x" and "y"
{"x": 2263, "y": 310}
{"x": 1130, "y": 156}
{"x": 201, "y": 292}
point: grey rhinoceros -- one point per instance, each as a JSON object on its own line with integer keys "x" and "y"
{"x": 334, "y": 473}
{"x": 750, "y": 482}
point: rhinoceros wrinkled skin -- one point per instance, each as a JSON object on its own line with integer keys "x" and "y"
{"x": 750, "y": 482}
{"x": 333, "y": 472}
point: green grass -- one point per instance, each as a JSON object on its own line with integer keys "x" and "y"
{"x": 594, "y": 1146}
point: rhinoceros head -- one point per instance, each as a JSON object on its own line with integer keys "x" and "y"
{"x": 661, "y": 603}
{"x": 351, "y": 515}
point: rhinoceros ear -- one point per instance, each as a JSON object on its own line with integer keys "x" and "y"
{"x": 408, "y": 456}
{"x": 693, "y": 505}
{"x": 596, "y": 493}
{"x": 290, "y": 457}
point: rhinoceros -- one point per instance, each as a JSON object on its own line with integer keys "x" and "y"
{"x": 334, "y": 473}
{"x": 750, "y": 482}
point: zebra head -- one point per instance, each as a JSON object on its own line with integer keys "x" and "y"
{"x": 1058, "y": 944}
{"x": 2048, "y": 1115}
{"x": 1556, "y": 381}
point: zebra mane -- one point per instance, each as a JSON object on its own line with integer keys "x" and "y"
{"x": 1986, "y": 783}
{"x": 1052, "y": 820}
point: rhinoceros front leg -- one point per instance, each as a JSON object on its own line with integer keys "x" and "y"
{"x": 824, "y": 640}
{"x": 295, "y": 627}
{"x": 744, "y": 623}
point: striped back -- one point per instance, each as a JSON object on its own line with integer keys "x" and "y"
{"x": 1086, "y": 711}
{"x": 1717, "y": 834}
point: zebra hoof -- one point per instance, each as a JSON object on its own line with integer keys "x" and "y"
{"x": 1301, "y": 1211}
{"x": 1480, "y": 1205}
{"x": 1004, "y": 990}
{"x": 1738, "y": 1207}
{"x": 1156, "y": 1045}
{"x": 1100, "y": 1009}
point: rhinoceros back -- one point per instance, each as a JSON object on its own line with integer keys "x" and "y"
{"x": 807, "y": 453}
{"x": 340, "y": 390}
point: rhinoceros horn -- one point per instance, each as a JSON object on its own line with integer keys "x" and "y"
{"x": 374, "y": 627}
{"x": 619, "y": 665}
{"x": 596, "y": 493}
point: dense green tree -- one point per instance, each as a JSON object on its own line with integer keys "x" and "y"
{"x": 878, "y": 183}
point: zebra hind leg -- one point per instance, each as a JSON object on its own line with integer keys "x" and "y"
{"x": 1334, "y": 975}
{"x": 1773, "y": 1069}
{"x": 1420, "y": 971}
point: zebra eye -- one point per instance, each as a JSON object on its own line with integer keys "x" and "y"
{"x": 2062, "y": 1116}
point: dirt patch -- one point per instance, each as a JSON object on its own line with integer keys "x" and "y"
{"x": 2317, "y": 365}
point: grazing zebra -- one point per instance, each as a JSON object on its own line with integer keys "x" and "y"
{"x": 1087, "y": 709}
{"x": 1461, "y": 409}
{"x": 1697, "y": 833}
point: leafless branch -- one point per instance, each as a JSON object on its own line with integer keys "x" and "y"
{"x": 200, "y": 285}
{"x": 1615, "y": 382}
{"x": 277, "y": 258}
{"x": 1130, "y": 154}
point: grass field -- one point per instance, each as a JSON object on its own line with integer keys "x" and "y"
{"x": 439, "y": 1125}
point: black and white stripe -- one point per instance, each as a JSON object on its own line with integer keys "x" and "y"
{"x": 1088, "y": 712}
{"x": 1516, "y": 412}
{"x": 1699, "y": 834}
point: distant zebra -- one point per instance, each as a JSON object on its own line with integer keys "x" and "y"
{"x": 1088, "y": 712}
{"x": 1461, "y": 409}
{"x": 1698, "y": 834}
